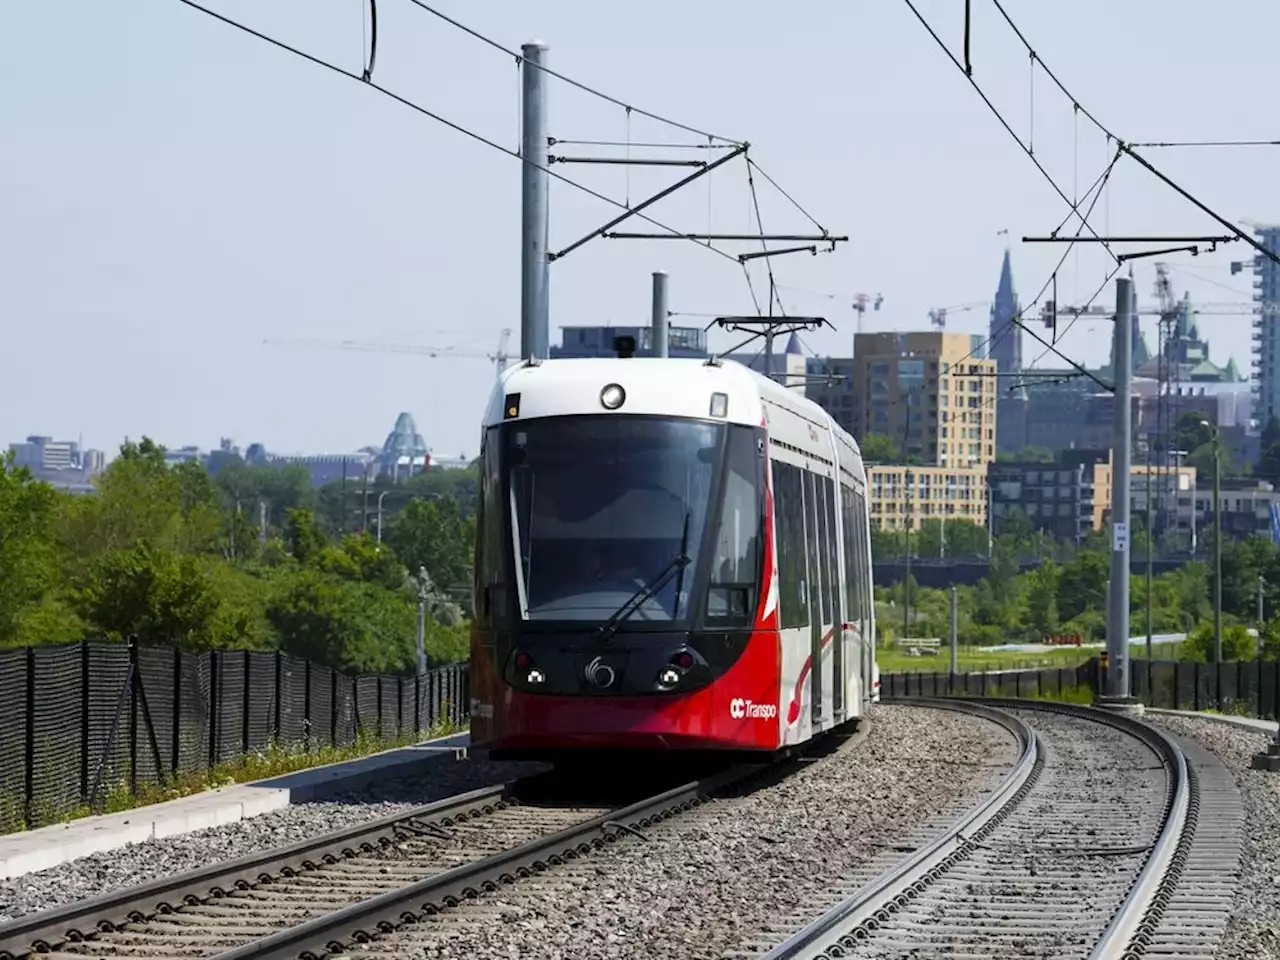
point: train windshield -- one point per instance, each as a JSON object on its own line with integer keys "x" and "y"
{"x": 601, "y": 507}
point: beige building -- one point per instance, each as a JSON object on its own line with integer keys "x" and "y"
{"x": 929, "y": 393}
{"x": 904, "y": 497}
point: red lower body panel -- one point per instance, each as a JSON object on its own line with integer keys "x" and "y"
{"x": 739, "y": 710}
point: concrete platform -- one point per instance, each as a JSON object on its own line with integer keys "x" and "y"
{"x": 49, "y": 846}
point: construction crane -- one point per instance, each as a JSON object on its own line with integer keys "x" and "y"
{"x": 499, "y": 357}
{"x": 938, "y": 315}
{"x": 860, "y": 301}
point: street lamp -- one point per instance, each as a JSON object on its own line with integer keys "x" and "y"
{"x": 423, "y": 595}
{"x": 380, "y": 496}
{"x": 1217, "y": 543}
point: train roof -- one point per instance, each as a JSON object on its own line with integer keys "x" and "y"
{"x": 680, "y": 387}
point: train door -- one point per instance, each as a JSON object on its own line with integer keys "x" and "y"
{"x": 816, "y": 580}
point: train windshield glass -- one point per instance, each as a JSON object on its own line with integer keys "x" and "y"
{"x": 602, "y": 505}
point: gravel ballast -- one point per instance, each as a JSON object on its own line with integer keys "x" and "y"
{"x": 733, "y": 872}
{"x": 140, "y": 863}
{"x": 1253, "y": 932}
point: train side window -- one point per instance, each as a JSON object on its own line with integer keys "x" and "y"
{"x": 857, "y": 553}
{"x": 813, "y": 542}
{"x": 735, "y": 565}
{"x": 831, "y": 556}
{"x": 491, "y": 565}
{"x": 864, "y": 557}
{"x": 788, "y": 515}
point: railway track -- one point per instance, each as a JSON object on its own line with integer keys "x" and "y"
{"x": 1107, "y": 839}
{"x": 335, "y": 893}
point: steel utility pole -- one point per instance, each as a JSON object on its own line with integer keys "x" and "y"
{"x": 1116, "y": 686}
{"x": 661, "y": 313}
{"x": 535, "y": 182}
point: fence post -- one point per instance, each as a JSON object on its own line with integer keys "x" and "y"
{"x": 245, "y": 700}
{"x": 29, "y": 772}
{"x": 1195, "y": 689}
{"x": 333, "y": 707}
{"x": 214, "y": 718}
{"x": 378, "y": 680}
{"x": 133, "y": 715}
{"x": 417, "y": 703}
{"x": 176, "y": 735}
{"x": 84, "y": 719}
{"x": 275, "y": 720}
{"x": 399, "y": 707}
{"x": 306, "y": 705}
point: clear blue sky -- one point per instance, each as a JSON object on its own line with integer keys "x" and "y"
{"x": 173, "y": 191}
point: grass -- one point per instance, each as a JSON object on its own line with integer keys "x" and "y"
{"x": 973, "y": 660}
{"x": 275, "y": 760}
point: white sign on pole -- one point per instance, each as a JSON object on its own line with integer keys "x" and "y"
{"x": 1120, "y": 536}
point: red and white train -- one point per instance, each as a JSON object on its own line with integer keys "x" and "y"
{"x": 673, "y": 554}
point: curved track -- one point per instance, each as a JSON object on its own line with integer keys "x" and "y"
{"x": 324, "y": 896}
{"x": 1078, "y": 853}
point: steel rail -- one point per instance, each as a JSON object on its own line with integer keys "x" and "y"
{"x": 1134, "y": 920}
{"x": 334, "y": 933}
{"x": 861, "y": 913}
{"x": 43, "y": 932}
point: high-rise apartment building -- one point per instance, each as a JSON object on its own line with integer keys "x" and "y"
{"x": 929, "y": 394}
{"x": 1266, "y": 328}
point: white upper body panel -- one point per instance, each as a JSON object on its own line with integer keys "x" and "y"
{"x": 674, "y": 387}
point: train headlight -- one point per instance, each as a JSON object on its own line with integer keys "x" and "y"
{"x": 536, "y": 676}
{"x": 612, "y": 396}
{"x": 720, "y": 405}
{"x": 669, "y": 677}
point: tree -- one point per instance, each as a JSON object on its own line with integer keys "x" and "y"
{"x": 1237, "y": 643}
{"x": 28, "y": 554}
{"x": 435, "y": 535}
{"x": 151, "y": 592}
{"x": 303, "y": 535}
{"x": 1082, "y": 583}
{"x": 1034, "y": 453}
{"x": 1042, "y": 600}
{"x": 877, "y": 448}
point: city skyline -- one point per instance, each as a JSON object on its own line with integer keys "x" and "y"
{"x": 222, "y": 208}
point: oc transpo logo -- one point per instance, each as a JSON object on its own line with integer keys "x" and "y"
{"x": 740, "y": 708}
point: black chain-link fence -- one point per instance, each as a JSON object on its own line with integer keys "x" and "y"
{"x": 83, "y": 721}
{"x": 1248, "y": 688}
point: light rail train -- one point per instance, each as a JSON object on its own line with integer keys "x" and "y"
{"x": 672, "y": 554}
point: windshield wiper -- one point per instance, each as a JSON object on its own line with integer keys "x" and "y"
{"x": 637, "y": 600}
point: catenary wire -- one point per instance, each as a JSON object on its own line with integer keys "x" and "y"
{"x": 1003, "y": 122}
{"x": 458, "y": 128}
{"x": 1128, "y": 148}
{"x": 1049, "y": 73}
{"x": 569, "y": 80}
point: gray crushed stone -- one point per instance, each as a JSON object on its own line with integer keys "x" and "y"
{"x": 140, "y": 863}
{"x": 1253, "y": 932}
{"x": 737, "y": 871}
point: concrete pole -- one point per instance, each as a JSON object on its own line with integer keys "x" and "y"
{"x": 535, "y": 336}
{"x": 661, "y": 313}
{"x": 1117, "y": 680}
{"x": 954, "y": 627}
